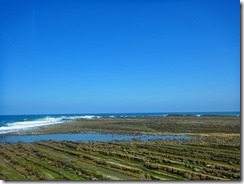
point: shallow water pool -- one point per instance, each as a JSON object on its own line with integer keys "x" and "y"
{"x": 86, "y": 137}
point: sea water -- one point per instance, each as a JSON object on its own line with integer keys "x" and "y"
{"x": 88, "y": 137}
{"x": 13, "y": 123}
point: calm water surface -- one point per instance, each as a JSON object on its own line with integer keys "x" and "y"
{"x": 86, "y": 137}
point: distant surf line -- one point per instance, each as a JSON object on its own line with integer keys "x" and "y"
{"x": 12, "y": 123}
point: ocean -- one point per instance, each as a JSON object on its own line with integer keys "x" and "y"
{"x": 12, "y": 123}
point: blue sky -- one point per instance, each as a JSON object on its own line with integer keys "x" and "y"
{"x": 77, "y": 56}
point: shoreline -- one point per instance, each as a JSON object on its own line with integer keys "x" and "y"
{"x": 143, "y": 125}
{"x": 213, "y": 152}
{"x": 220, "y": 129}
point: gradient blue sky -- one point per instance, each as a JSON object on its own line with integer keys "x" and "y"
{"x": 77, "y": 56}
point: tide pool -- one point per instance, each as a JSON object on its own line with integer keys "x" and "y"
{"x": 88, "y": 137}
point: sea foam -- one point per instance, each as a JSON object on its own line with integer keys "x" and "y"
{"x": 48, "y": 120}
{"x": 11, "y": 127}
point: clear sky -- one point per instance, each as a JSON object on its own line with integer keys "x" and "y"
{"x": 77, "y": 56}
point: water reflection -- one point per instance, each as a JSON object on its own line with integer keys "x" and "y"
{"x": 86, "y": 137}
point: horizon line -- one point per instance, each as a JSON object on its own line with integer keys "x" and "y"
{"x": 90, "y": 113}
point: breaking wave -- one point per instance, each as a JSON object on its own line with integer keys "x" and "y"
{"x": 13, "y": 123}
{"x": 27, "y": 124}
